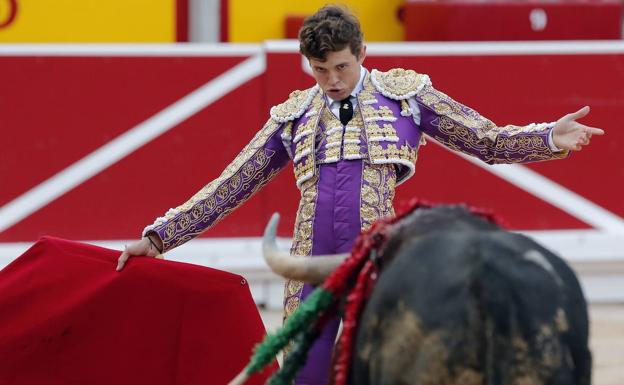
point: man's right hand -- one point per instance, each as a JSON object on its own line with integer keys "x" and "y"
{"x": 142, "y": 247}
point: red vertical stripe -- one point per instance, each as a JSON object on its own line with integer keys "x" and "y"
{"x": 224, "y": 21}
{"x": 182, "y": 23}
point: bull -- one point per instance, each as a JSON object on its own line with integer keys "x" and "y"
{"x": 461, "y": 301}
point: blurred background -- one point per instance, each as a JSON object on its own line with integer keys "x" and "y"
{"x": 113, "y": 112}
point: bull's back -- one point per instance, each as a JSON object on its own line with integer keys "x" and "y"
{"x": 483, "y": 307}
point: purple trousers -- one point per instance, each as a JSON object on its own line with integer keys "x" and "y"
{"x": 336, "y": 226}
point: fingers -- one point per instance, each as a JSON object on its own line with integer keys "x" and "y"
{"x": 583, "y": 139}
{"x": 122, "y": 259}
{"x": 583, "y": 135}
{"x": 578, "y": 146}
{"x": 588, "y": 132}
{"x": 142, "y": 247}
{"x": 580, "y": 113}
{"x": 593, "y": 131}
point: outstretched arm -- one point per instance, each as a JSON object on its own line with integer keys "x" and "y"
{"x": 255, "y": 166}
{"x": 464, "y": 129}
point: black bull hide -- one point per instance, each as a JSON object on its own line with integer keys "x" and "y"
{"x": 461, "y": 301}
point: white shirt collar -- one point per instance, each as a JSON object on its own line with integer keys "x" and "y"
{"x": 356, "y": 90}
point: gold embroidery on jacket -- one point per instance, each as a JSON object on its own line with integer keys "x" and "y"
{"x": 305, "y": 130}
{"x": 304, "y": 147}
{"x": 304, "y": 157}
{"x": 333, "y": 129}
{"x": 377, "y": 194}
{"x": 384, "y": 133}
{"x": 391, "y": 152}
{"x": 471, "y": 133}
{"x": 379, "y": 128}
{"x": 383, "y": 113}
{"x": 332, "y": 155}
{"x": 302, "y": 235}
{"x": 225, "y": 199}
{"x": 352, "y": 151}
{"x": 399, "y": 83}
{"x": 442, "y": 104}
{"x": 302, "y": 240}
{"x": 340, "y": 140}
{"x": 287, "y": 132}
{"x": 505, "y": 150}
{"x": 294, "y": 106}
{"x": 305, "y": 168}
{"x": 353, "y": 138}
{"x": 292, "y": 303}
{"x": 293, "y": 287}
{"x": 366, "y": 97}
{"x": 248, "y": 167}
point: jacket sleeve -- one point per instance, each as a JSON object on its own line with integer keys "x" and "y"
{"x": 463, "y": 129}
{"x": 255, "y": 166}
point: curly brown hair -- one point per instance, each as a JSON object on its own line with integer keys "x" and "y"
{"x": 330, "y": 29}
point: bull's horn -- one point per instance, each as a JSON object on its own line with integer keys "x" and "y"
{"x": 310, "y": 270}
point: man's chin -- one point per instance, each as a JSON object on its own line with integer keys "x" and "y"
{"x": 336, "y": 95}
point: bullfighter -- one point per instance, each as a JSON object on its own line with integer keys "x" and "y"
{"x": 353, "y": 138}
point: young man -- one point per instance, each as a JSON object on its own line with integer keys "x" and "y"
{"x": 352, "y": 137}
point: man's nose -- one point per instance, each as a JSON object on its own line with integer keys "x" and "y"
{"x": 333, "y": 78}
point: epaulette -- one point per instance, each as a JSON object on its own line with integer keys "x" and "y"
{"x": 298, "y": 101}
{"x": 398, "y": 83}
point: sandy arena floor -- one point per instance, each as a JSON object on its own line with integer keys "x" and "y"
{"x": 607, "y": 341}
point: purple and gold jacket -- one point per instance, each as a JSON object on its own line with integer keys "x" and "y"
{"x": 382, "y": 139}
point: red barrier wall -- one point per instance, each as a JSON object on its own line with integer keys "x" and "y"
{"x": 57, "y": 109}
{"x": 467, "y": 20}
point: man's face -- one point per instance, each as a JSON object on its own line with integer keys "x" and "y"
{"x": 339, "y": 74}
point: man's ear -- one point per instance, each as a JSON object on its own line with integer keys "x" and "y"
{"x": 362, "y": 54}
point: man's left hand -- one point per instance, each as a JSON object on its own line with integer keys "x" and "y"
{"x": 569, "y": 134}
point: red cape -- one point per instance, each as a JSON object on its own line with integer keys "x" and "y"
{"x": 67, "y": 317}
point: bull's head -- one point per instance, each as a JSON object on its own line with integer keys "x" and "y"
{"x": 410, "y": 229}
